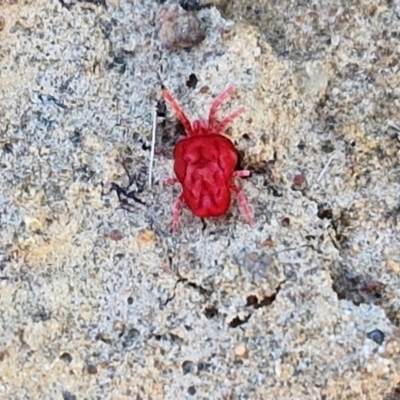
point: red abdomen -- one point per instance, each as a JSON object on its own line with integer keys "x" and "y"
{"x": 204, "y": 166}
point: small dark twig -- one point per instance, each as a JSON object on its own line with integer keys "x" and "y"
{"x": 124, "y": 193}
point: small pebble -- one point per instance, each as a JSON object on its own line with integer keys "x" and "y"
{"x": 146, "y": 236}
{"x": 241, "y": 350}
{"x": 372, "y": 286}
{"x": 299, "y": 182}
{"x": 394, "y": 266}
{"x": 269, "y": 242}
{"x": 116, "y": 235}
{"x": 33, "y": 224}
{"x": 91, "y": 369}
{"x": 179, "y": 29}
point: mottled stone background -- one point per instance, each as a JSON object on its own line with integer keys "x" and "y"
{"x": 100, "y": 302}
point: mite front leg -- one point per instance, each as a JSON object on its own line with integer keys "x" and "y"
{"x": 179, "y": 112}
{"x": 176, "y": 212}
{"x": 215, "y": 106}
{"x": 243, "y": 203}
{"x": 220, "y": 128}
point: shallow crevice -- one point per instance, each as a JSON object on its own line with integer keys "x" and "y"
{"x": 211, "y": 312}
{"x": 339, "y": 220}
{"x": 393, "y": 316}
{"x": 194, "y": 5}
{"x": 237, "y": 321}
{"x": 356, "y": 288}
{"x": 256, "y": 303}
{"x": 394, "y": 394}
{"x": 202, "y": 290}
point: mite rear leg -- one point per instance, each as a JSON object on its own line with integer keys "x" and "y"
{"x": 177, "y": 206}
{"x": 176, "y": 212}
{"x": 243, "y": 203}
{"x": 242, "y": 174}
{"x": 170, "y": 181}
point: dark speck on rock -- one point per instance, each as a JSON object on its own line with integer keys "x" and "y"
{"x": 327, "y": 146}
{"x": 192, "y": 390}
{"x": 42, "y": 315}
{"x": 116, "y": 235}
{"x": 203, "y": 366}
{"x": 68, "y": 396}
{"x": 76, "y": 137}
{"x": 91, "y": 369}
{"x": 193, "y": 5}
{"x": 285, "y": 222}
{"x": 192, "y": 81}
{"x": 8, "y": 148}
{"x": 2, "y": 22}
{"x": 210, "y": 312}
{"x": 66, "y": 357}
{"x": 130, "y": 337}
{"x": 376, "y": 335}
{"x": 301, "y": 145}
{"x": 188, "y": 367}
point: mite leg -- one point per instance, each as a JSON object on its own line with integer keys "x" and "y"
{"x": 227, "y": 120}
{"x": 243, "y": 204}
{"x": 215, "y": 106}
{"x": 179, "y": 112}
{"x": 242, "y": 174}
{"x": 170, "y": 181}
{"x": 176, "y": 212}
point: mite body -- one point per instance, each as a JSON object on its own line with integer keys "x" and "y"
{"x": 204, "y": 164}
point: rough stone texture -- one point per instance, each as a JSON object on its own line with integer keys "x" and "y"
{"x": 99, "y": 302}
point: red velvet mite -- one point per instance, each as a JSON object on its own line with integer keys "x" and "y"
{"x": 204, "y": 164}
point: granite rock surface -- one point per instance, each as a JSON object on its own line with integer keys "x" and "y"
{"x": 99, "y": 300}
